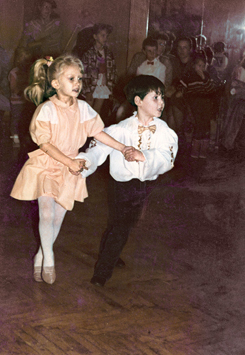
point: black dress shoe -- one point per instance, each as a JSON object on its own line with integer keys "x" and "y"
{"x": 120, "y": 263}
{"x": 98, "y": 281}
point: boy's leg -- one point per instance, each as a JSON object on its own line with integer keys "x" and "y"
{"x": 125, "y": 204}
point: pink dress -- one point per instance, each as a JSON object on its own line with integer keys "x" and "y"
{"x": 67, "y": 128}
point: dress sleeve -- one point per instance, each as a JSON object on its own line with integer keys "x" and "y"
{"x": 40, "y": 126}
{"x": 91, "y": 119}
{"x": 94, "y": 126}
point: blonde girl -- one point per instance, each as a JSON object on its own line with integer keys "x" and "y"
{"x": 60, "y": 126}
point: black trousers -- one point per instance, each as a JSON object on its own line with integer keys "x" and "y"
{"x": 125, "y": 203}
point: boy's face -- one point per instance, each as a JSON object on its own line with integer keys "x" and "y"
{"x": 151, "y": 106}
{"x": 150, "y": 52}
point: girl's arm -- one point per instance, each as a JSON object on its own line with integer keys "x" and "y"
{"x": 55, "y": 153}
{"x": 111, "y": 142}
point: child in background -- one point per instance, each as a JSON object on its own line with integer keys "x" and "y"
{"x": 196, "y": 86}
{"x": 162, "y": 40}
{"x": 99, "y": 69}
{"x": 18, "y": 81}
{"x": 220, "y": 61}
{"x": 154, "y": 147}
{"x": 152, "y": 64}
{"x": 60, "y": 126}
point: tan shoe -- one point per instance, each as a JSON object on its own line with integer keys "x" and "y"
{"x": 37, "y": 274}
{"x": 49, "y": 274}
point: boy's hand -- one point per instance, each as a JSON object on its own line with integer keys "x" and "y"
{"x": 133, "y": 154}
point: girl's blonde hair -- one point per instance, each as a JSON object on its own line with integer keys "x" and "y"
{"x": 42, "y": 75}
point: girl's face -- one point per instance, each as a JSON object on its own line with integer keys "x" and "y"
{"x": 45, "y": 10}
{"x": 69, "y": 83}
{"x": 101, "y": 38}
{"x": 199, "y": 65}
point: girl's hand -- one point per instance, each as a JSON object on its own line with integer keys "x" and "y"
{"x": 76, "y": 166}
{"x": 133, "y": 154}
{"x": 125, "y": 149}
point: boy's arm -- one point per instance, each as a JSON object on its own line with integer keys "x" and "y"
{"x": 95, "y": 156}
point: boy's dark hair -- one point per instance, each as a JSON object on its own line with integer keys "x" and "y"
{"x": 149, "y": 41}
{"x": 141, "y": 85}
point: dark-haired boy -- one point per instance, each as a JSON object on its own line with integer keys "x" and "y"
{"x": 154, "y": 147}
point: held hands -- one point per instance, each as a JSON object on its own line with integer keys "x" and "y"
{"x": 77, "y": 166}
{"x": 132, "y": 154}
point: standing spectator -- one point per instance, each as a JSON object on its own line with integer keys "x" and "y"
{"x": 43, "y": 34}
{"x": 18, "y": 80}
{"x": 4, "y": 85}
{"x": 99, "y": 68}
{"x": 152, "y": 64}
{"x": 220, "y": 60}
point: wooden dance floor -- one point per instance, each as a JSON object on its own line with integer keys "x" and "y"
{"x": 181, "y": 292}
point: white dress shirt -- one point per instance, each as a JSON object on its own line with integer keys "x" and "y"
{"x": 159, "y": 148}
{"x": 156, "y": 69}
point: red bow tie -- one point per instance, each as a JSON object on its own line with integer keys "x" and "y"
{"x": 150, "y": 63}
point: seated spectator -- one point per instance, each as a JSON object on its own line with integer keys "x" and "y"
{"x": 99, "y": 69}
{"x": 162, "y": 40}
{"x": 196, "y": 87}
{"x": 220, "y": 60}
{"x": 42, "y": 35}
{"x": 181, "y": 64}
{"x": 233, "y": 133}
{"x": 148, "y": 64}
{"x": 152, "y": 65}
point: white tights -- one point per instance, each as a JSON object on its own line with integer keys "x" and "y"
{"x": 51, "y": 216}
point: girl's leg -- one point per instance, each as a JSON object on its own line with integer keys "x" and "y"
{"x": 46, "y": 229}
{"x": 60, "y": 213}
{"x": 51, "y": 216}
